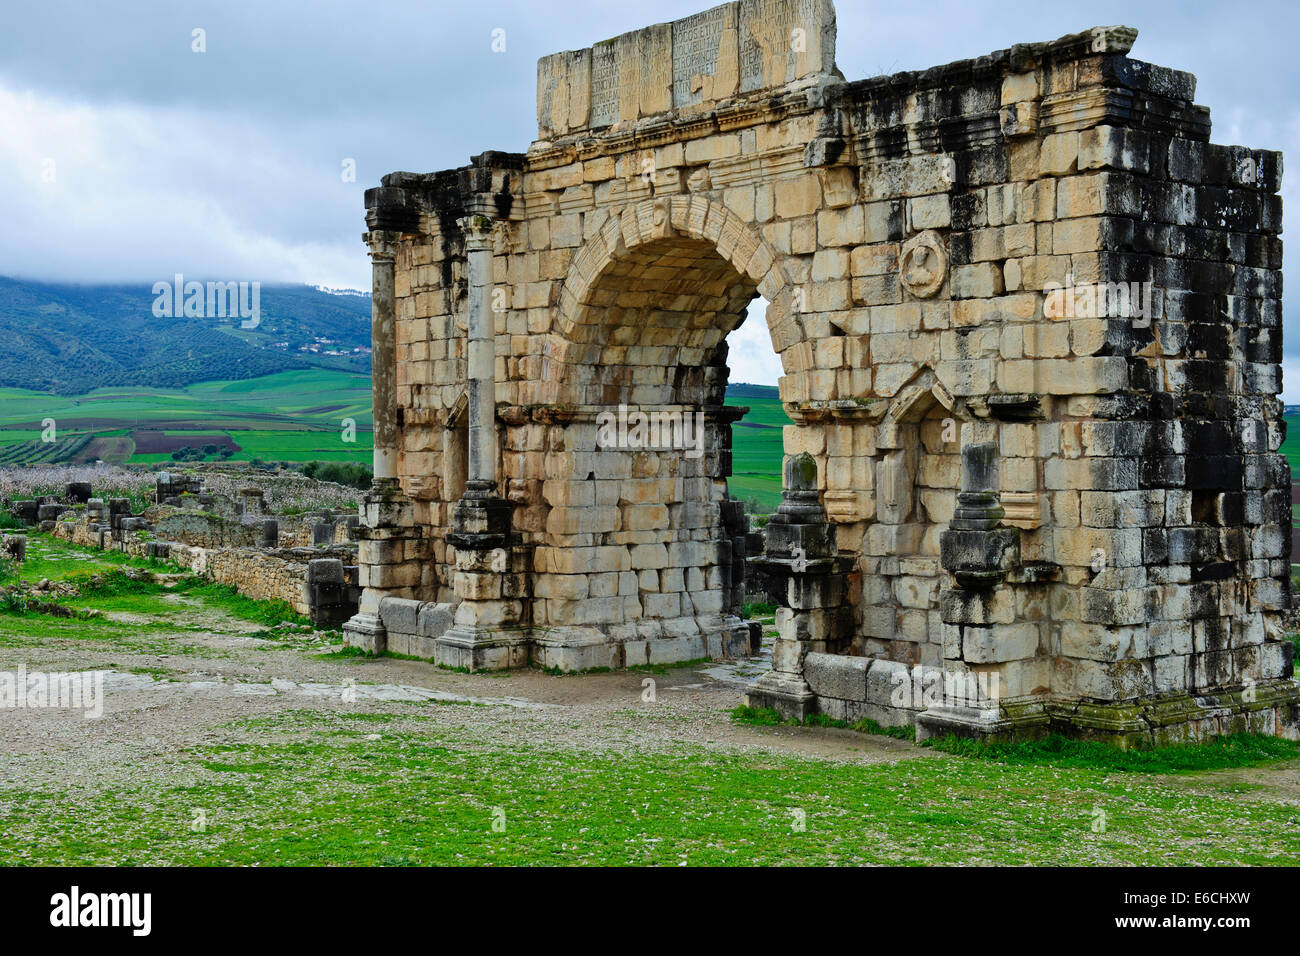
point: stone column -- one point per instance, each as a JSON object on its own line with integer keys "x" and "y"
{"x": 389, "y": 549}
{"x": 489, "y": 578}
{"x": 383, "y": 359}
{"x": 481, "y": 359}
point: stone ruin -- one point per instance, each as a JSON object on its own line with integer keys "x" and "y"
{"x": 1030, "y": 324}
{"x": 307, "y": 561}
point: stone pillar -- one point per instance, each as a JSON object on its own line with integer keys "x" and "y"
{"x": 490, "y": 577}
{"x": 389, "y": 551}
{"x": 383, "y": 358}
{"x": 481, "y": 359}
{"x": 802, "y": 570}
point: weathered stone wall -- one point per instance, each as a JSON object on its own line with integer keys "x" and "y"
{"x": 203, "y": 529}
{"x": 1036, "y": 249}
{"x": 319, "y": 581}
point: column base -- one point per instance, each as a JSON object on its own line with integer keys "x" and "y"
{"x": 366, "y": 632}
{"x": 788, "y": 694}
{"x": 982, "y": 723}
{"x": 479, "y": 649}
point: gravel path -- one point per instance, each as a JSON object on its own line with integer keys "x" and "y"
{"x": 157, "y": 706}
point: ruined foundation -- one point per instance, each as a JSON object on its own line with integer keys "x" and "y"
{"x": 1030, "y": 324}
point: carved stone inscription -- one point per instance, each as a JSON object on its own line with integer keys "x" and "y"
{"x": 604, "y": 84}
{"x": 696, "y": 41}
{"x": 780, "y": 40}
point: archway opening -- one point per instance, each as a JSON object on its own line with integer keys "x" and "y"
{"x": 637, "y": 478}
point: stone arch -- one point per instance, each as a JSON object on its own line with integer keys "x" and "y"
{"x": 640, "y": 329}
{"x": 704, "y": 243}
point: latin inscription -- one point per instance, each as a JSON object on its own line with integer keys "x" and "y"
{"x": 695, "y": 53}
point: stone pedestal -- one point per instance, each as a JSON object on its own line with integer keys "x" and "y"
{"x": 390, "y": 549}
{"x": 489, "y": 631}
{"x": 801, "y": 569}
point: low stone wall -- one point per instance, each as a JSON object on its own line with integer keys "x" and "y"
{"x": 854, "y": 688}
{"x": 203, "y": 529}
{"x": 319, "y": 582}
{"x": 294, "y": 576}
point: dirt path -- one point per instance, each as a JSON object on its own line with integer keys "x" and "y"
{"x": 157, "y": 705}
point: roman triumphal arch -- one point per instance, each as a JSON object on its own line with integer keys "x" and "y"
{"x": 1030, "y": 326}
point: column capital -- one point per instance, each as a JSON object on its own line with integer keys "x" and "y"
{"x": 478, "y": 231}
{"x": 383, "y": 245}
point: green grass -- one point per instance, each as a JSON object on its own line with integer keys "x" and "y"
{"x": 329, "y": 791}
{"x": 768, "y": 717}
{"x": 49, "y": 557}
{"x": 119, "y": 592}
{"x": 1240, "y": 750}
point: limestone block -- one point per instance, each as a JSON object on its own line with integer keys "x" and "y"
{"x": 800, "y": 196}
{"x": 400, "y": 615}
{"x": 1078, "y": 376}
{"x": 1110, "y": 147}
{"x": 1019, "y": 87}
{"x": 929, "y": 212}
{"x": 999, "y": 642}
{"x": 649, "y": 557}
{"x": 838, "y": 676}
{"x": 914, "y": 176}
{"x": 981, "y": 280}
{"x": 1058, "y": 155}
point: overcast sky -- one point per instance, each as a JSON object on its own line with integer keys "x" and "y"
{"x": 124, "y": 155}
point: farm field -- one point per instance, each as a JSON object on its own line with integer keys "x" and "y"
{"x": 1291, "y": 447}
{"x": 757, "y": 449}
{"x": 292, "y": 416}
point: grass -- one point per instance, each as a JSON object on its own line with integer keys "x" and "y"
{"x": 49, "y": 557}
{"x": 118, "y": 592}
{"x": 1239, "y": 750}
{"x": 104, "y": 585}
{"x": 310, "y": 797}
{"x": 768, "y": 717}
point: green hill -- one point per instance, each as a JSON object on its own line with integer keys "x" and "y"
{"x": 72, "y": 339}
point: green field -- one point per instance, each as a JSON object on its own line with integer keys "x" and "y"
{"x": 1291, "y": 447}
{"x": 291, "y": 416}
{"x": 757, "y": 451}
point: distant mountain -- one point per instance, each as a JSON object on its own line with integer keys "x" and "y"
{"x": 69, "y": 339}
{"x": 746, "y": 390}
